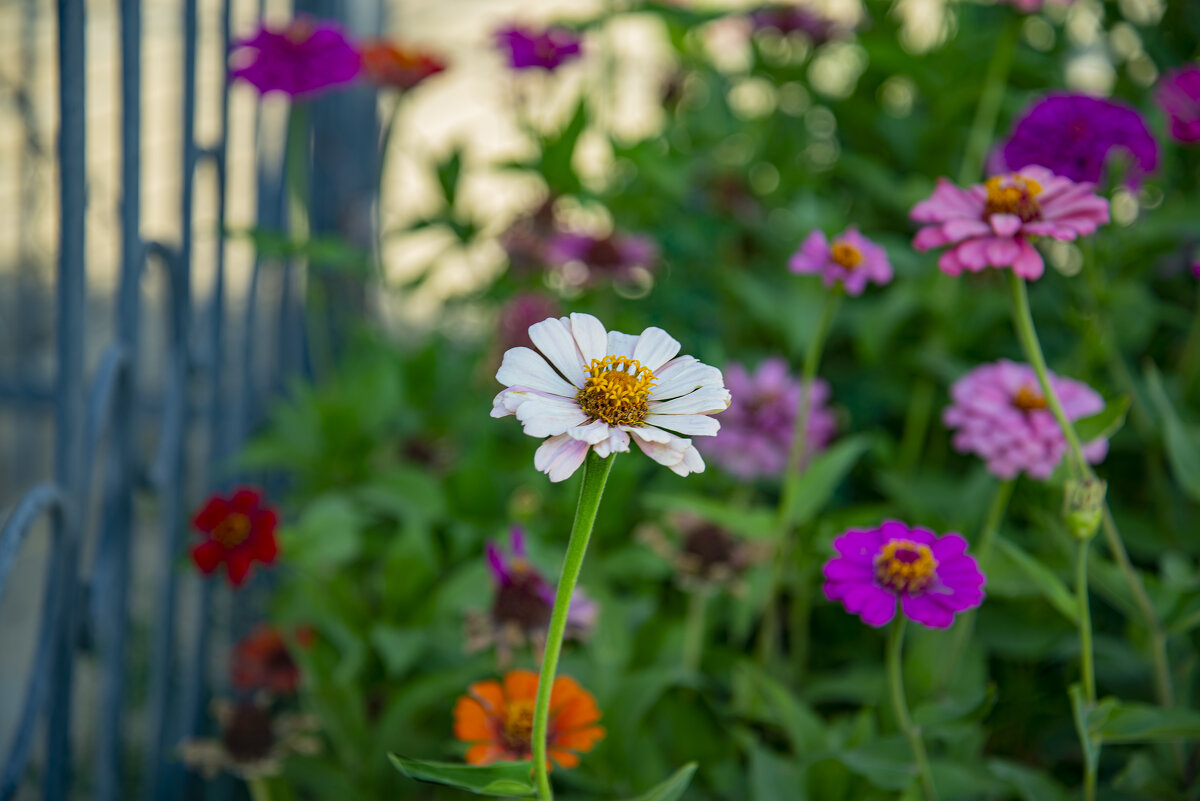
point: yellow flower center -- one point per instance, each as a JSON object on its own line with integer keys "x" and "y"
{"x": 233, "y": 530}
{"x": 518, "y": 725}
{"x": 1013, "y": 194}
{"x": 845, "y": 254}
{"x": 1028, "y": 398}
{"x": 905, "y": 566}
{"x": 617, "y": 391}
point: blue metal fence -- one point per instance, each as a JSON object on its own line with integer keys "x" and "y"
{"x": 97, "y": 422}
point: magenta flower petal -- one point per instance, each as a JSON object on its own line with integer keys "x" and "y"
{"x": 851, "y": 259}
{"x": 301, "y": 59}
{"x": 532, "y": 49}
{"x": 1178, "y": 94}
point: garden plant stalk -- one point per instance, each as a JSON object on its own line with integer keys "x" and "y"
{"x": 900, "y": 706}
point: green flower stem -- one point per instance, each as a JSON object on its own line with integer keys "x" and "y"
{"x": 900, "y": 705}
{"x": 259, "y": 789}
{"x": 694, "y": 629}
{"x": 983, "y": 555}
{"x": 983, "y": 127}
{"x": 595, "y": 474}
{"x": 1189, "y": 359}
{"x": 1086, "y": 659}
{"x": 787, "y": 501}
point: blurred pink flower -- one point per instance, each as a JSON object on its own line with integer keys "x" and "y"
{"x": 851, "y": 259}
{"x": 533, "y": 49}
{"x": 1179, "y": 95}
{"x": 998, "y": 413}
{"x": 756, "y": 429}
{"x": 301, "y": 59}
{"x": 993, "y": 224}
{"x": 616, "y": 257}
{"x": 520, "y": 312}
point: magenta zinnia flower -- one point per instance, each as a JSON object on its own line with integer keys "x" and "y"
{"x": 851, "y": 259}
{"x": 1000, "y": 415}
{"x": 617, "y": 257}
{"x": 933, "y": 577}
{"x": 993, "y": 224}
{"x": 793, "y": 19}
{"x": 530, "y": 49}
{"x": 1179, "y": 95}
{"x": 301, "y": 59}
{"x": 1075, "y": 135}
{"x": 525, "y": 598}
{"x": 756, "y": 429}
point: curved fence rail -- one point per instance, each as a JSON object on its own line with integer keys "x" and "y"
{"x": 97, "y": 422}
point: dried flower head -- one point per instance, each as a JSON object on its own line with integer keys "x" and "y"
{"x": 254, "y": 740}
{"x": 706, "y": 557}
{"x": 262, "y": 660}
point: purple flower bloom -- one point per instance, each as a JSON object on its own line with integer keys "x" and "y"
{"x": 531, "y": 49}
{"x": 525, "y": 598}
{"x": 617, "y": 257}
{"x": 793, "y": 19}
{"x": 1075, "y": 136}
{"x": 1000, "y": 415}
{"x": 520, "y": 312}
{"x": 756, "y": 429}
{"x": 1196, "y": 268}
{"x": 1179, "y": 95}
{"x": 301, "y": 59}
{"x": 933, "y": 577}
{"x": 851, "y": 258}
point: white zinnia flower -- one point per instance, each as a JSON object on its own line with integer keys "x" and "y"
{"x": 594, "y": 389}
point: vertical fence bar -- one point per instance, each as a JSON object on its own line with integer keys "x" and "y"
{"x": 69, "y": 390}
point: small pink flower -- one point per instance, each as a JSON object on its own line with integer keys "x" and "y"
{"x": 999, "y": 413}
{"x": 994, "y": 223}
{"x": 851, "y": 258}
{"x": 933, "y": 578}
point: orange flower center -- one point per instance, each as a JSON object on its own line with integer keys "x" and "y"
{"x": 845, "y": 254}
{"x": 616, "y": 391}
{"x": 518, "y": 726}
{"x": 1028, "y": 398}
{"x": 233, "y": 530}
{"x": 905, "y": 566}
{"x": 1013, "y": 194}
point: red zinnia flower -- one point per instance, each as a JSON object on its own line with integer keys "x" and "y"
{"x": 385, "y": 64}
{"x": 262, "y": 661}
{"x": 238, "y": 530}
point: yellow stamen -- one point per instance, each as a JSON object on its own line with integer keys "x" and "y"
{"x": 616, "y": 391}
{"x": 1013, "y": 194}
{"x": 845, "y": 254}
{"x": 233, "y": 530}
{"x": 1028, "y": 399}
{"x": 518, "y": 725}
{"x": 905, "y": 566}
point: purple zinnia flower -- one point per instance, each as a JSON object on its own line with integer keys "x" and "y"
{"x": 524, "y": 598}
{"x": 547, "y": 49}
{"x": 1179, "y": 95}
{"x": 793, "y": 19}
{"x": 756, "y": 429}
{"x": 1000, "y": 415}
{"x": 933, "y": 577}
{"x": 520, "y": 312}
{"x": 851, "y": 258}
{"x": 305, "y": 57}
{"x": 1075, "y": 135}
{"x": 616, "y": 256}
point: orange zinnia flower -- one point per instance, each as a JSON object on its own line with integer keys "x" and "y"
{"x": 388, "y": 65}
{"x": 497, "y": 719}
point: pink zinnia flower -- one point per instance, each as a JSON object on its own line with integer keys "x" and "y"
{"x": 994, "y": 223}
{"x": 999, "y": 414}
{"x": 1179, "y": 95}
{"x": 933, "y": 577}
{"x": 533, "y": 49}
{"x": 756, "y": 429}
{"x": 616, "y": 256}
{"x": 300, "y": 59}
{"x": 851, "y": 258}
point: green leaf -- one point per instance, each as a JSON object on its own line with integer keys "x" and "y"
{"x": 399, "y": 648}
{"x": 1143, "y": 723}
{"x": 754, "y": 522}
{"x": 505, "y": 779}
{"x": 816, "y": 485}
{"x": 558, "y": 154}
{"x": 1183, "y": 447}
{"x": 672, "y": 788}
{"x": 1104, "y": 424}
{"x": 448, "y": 173}
{"x": 774, "y": 703}
{"x": 1029, "y": 784}
{"x": 1088, "y": 720}
{"x": 1043, "y": 577}
{"x": 326, "y": 537}
{"x": 886, "y": 763}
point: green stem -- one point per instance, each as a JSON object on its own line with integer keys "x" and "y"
{"x": 787, "y": 501}
{"x": 983, "y": 554}
{"x": 900, "y": 705}
{"x": 1189, "y": 359}
{"x": 984, "y": 125}
{"x": 259, "y": 789}
{"x": 1086, "y": 660}
{"x": 694, "y": 630}
{"x": 916, "y": 424}
{"x": 595, "y": 474}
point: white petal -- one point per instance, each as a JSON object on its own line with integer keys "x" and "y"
{"x": 617, "y": 442}
{"x": 559, "y": 457}
{"x": 500, "y": 404}
{"x": 546, "y": 417}
{"x": 649, "y": 433}
{"x": 592, "y": 433}
{"x": 667, "y": 453}
{"x": 621, "y": 344}
{"x": 655, "y": 347}
{"x": 681, "y": 376}
{"x": 523, "y": 367}
{"x": 692, "y": 463}
{"x": 706, "y": 400}
{"x": 553, "y": 338}
{"x": 590, "y": 335}
{"x": 695, "y": 425}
